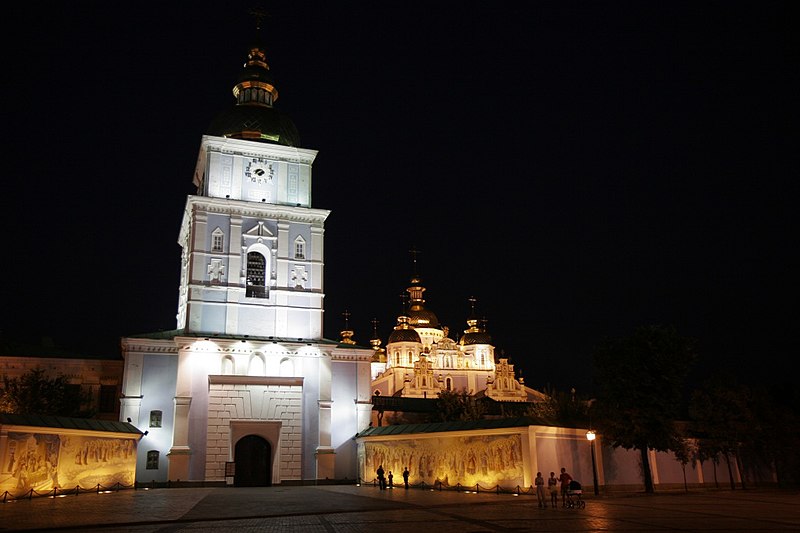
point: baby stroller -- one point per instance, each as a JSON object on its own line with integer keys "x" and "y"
{"x": 574, "y": 498}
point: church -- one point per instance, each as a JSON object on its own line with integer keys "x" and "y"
{"x": 421, "y": 359}
{"x": 246, "y": 390}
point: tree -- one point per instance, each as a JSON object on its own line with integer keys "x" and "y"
{"x": 640, "y": 382}
{"x": 560, "y": 408}
{"x": 458, "y": 405}
{"x": 721, "y": 414}
{"x": 35, "y": 393}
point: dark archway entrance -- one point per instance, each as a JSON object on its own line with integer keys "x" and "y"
{"x": 253, "y": 459}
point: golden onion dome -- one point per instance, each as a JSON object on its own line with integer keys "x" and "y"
{"x": 422, "y": 318}
{"x": 403, "y": 332}
{"x": 254, "y": 116}
{"x": 475, "y": 334}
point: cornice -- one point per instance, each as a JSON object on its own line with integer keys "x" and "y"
{"x": 208, "y": 204}
{"x": 246, "y": 148}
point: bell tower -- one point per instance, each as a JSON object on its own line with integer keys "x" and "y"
{"x": 252, "y": 246}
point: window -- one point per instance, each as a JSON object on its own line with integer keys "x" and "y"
{"x": 217, "y": 240}
{"x": 286, "y": 367}
{"x": 108, "y": 398}
{"x": 299, "y": 248}
{"x": 74, "y": 390}
{"x": 155, "y": 419}
{"x": 256, "y": 275}
{"x": 227, "y": 365}
{"x": 152, "y": 460}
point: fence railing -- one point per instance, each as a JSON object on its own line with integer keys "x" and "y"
{"x": 57, "y": 492}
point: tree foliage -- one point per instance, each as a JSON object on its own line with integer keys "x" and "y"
{"x": 560, "y": 408}
{"x": 35, "y": 393}
{"x": 641, "y": 380}
{"x": 751, "y": 425}
{"x": 455, "y": 405}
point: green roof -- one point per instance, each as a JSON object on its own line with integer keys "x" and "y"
{"x": 65, "y": 422}
{"x": 402, "y": 429}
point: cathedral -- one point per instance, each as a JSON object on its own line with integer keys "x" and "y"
{"x": 421, "y": 359}
{"x": 246, "y": 390}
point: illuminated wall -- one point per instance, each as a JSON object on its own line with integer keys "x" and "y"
{"x": 43, "y": 461}
{"x": 511, "y": 456}
{"x": 487, "y": 460}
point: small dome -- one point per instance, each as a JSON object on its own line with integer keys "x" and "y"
{"x": 404, "y": 335}
{"x": 256, "y": 123}
{"x": 420, "y": 317}
{"x": 254, "y": 117}
{"x": 475, "y": 337}
{"x": 475, "y": 334}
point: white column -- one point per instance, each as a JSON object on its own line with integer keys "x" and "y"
{"x": 326, "y": 458}
{"x": 180, "y": 451}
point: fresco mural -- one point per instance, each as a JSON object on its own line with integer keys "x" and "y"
{"x": 487, "y": 461}
{"x": 45, "y": 461}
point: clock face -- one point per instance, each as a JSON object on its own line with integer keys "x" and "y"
{"x": 260, "y": 171}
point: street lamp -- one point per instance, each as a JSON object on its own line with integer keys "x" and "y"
{"x": 591, "y": 436}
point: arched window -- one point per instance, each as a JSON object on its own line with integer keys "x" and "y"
{"x": 299, "y": 248}
{"x": 257, "y": 366}
{"x": 217, "y": 240}
{"x": 227, "y": 365}
{"x": 448, "y": 383}
{"x": 256, "y": 275}
{"x": 286, "y": 367}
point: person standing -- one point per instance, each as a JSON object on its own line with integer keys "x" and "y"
{"x": 405, "y": 477}
{"x": 539, "y": 482}
{"x": 552, "y": 484}
{"x": 391, "y": 480}
{"x": 564, "y": 479}
{"x": 381, "y": 477}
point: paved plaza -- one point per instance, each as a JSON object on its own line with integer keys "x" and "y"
{"x": 349, "y": 508}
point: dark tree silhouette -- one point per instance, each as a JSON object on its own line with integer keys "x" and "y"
{"x": 641, "y": 380}
{"x": 458, "y": 405}
{"x": 35, "y": 393}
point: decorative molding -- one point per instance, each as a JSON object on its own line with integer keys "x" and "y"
{"x": 256, "y": 380}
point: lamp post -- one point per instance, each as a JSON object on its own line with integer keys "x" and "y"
{"x": 591, "y": 436}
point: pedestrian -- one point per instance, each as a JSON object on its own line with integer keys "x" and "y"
{"x": 564, "y": 479}
{"x": 552, "y": 484}
{"x": 405, "y": 477}
{"x": 391, "y": 480}
{"x": 539, "y": 482}
{"x": 381, "y": 478}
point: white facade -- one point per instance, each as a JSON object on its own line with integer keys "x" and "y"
{"x": 247, "y": 380}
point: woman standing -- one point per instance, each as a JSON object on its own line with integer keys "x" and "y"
{"x": 539, "y": 482}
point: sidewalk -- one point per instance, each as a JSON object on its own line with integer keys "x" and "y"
{"x": 355, "y": 509}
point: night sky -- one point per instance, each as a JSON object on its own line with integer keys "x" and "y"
{"x": 579, "y": 168}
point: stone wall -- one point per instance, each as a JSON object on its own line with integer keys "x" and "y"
{"x": 274, "y": 412}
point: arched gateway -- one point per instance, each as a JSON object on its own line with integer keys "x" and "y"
{"x": 252, "y": 456}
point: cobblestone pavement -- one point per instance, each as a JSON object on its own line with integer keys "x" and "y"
{"x": 351, "y": 508}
